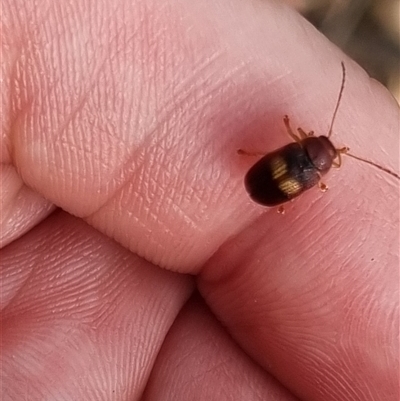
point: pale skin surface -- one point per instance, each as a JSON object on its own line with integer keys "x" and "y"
{"x": 129, "y": 115}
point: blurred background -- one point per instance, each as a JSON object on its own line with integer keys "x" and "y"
{"x": 367, "y": 30}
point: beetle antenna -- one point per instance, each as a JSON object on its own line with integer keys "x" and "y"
{"x": 386, "y": 170}
{"x": 339, "y": 98}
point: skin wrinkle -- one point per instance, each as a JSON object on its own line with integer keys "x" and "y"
{"x": 17, "y": 294}
{"x": 145, "y": 145}
{"x": 15, "y": 119}
{"x": 84, "y": 97}
{"x": 14, "y": 193}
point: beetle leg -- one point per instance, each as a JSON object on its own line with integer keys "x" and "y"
{"x": 304, "y": 134}
{"x": 345, "y": 149}
{"x": 338, "y": 163}
{"x": 290, "y": 131}
{"x": 281, "y": 210}
{"x": 323, "y": 187}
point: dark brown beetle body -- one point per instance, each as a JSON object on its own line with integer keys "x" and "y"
{"x": 289, "y": 171}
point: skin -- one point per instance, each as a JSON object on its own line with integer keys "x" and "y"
{"x": 169, "y": 283}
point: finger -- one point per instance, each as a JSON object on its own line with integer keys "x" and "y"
{"x": 199, "y": 360}
{"x": 150, "y": 158}
{"x": 313, "y": 295}
{"x": 21, "y": 207}
{"x": 82, "y": 318}
{"x": 316, "y": 308}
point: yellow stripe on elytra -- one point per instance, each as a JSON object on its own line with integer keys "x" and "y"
{"x": 289, "y": 186}
{"x": 278, "y": 168}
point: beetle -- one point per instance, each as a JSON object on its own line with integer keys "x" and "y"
{"x": 287, "y": 172}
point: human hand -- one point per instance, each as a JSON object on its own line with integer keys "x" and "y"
{"x": 129, "y": 116}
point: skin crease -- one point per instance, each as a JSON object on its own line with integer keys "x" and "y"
{"x": 128, "y": 115}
